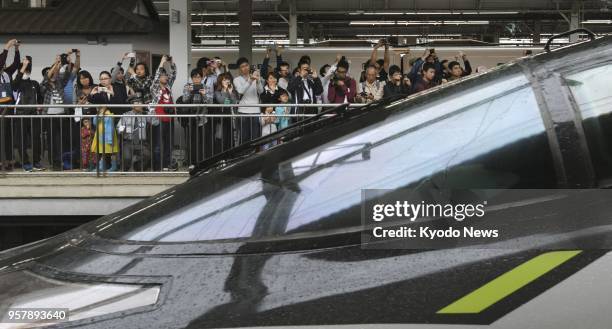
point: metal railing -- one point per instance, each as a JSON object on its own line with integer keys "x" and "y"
{"x": 101, "y": 141}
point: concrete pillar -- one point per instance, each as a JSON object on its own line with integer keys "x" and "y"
{"x": 292, "y": 22}
{"x": 307, "y": 31}
{"x": 180, "y": 42}
{"x": 574, "y": 20}
{"x": 245, "y": 16}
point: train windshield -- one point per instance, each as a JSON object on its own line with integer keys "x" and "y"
{"x": 491, "y": 134}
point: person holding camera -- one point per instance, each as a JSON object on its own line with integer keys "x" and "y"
{"x": 398, "y": 85}
{"x": 196, "y": 92}
{"x": 109, "y": 93}
{"x": 249, "y": 86}
{"x": 161, "y": 91}
{"x": 28, "y": 132}
{"x": 225, "y": 93}
{"x": 382, "y": 65}
{"x": 6, "y": 98}
{"x": 342, "y": 88}
{"x": 53, "y": 91}
{"x": 305, "y": 88}
{"x": 429, "y": 57}
{"x": 118, "y": 73}
{"x": 208, "y": 75}
{"x": 371, "y": 89}
{"x": 140, "y": 82}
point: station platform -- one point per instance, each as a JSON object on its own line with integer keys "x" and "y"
{"x": 78, "y": 194}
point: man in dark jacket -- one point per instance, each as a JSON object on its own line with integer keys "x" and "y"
{"x": 305, "y": 88}
{"x": 398, "y": 85}
{"x": 27, "y": 131}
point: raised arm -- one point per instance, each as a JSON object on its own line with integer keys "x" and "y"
{"x": 54, "y": 70}
{"x": 118, "y": 66}
{"x": 386, "y": 58}
{"x": 374, "y": 54}
{"x": 77, "y": 62}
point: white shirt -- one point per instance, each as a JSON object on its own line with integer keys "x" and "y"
{"x": 249, "y": 91}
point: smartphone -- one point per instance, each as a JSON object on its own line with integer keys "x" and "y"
{"x": 432, "y": 50}
{"x": 74, "y": 50}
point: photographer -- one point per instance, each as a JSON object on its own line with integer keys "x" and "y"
{"x": 398, "y": 85}
{"x": 140, "y": 82}
{"x": 305, "y": 88}
{"x": 226, "y": 94}
{"x": 109, "y": 93}
{"x": 248, "y": 85}
{"x": 381, "y": 65}
{"x": 429, "y": 56}
{"x": 118, "y": 73}
{"x": 327, "y": 74}
{"x": 208, "y": 74}
{"x": 67, "y": 74}
{"x": 53, "y": 92}
{"x": 196, "y": 92}
{"x": 28, "y": 132}
{"x": 161, "y": 90}
{"x": 371, "y": 89}
{"x": 6, "y": 97}
{"x": 342, "y": 88}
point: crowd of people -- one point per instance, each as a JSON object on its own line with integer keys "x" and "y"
{"x": 140, "y": 136}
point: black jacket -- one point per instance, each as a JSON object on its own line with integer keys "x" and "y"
{"x": 29, "y": 93}
{"x": 267, "y": 97}
{"x": 391, "y": 89}
{"x": 296, "y": 88}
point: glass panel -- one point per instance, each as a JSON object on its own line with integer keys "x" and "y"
{"x": 487, "y": 137}
{"x": 593, "y": 95}
{"x": 24, "y": 289}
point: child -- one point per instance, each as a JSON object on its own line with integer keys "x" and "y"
{"x": 87, "y": 158}
{"x": 105, "y": 141}
{"x": 268, "y": 125}
{"x": 282, "y": 121}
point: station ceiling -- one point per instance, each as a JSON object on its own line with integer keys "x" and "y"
{"x": 319, "y": 20}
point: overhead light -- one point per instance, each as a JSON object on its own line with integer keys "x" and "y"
{"x": 484, "y": 12}
{"x": 406, "y": 35}
{"x": 419, "y": 23}
{"x": 213, "y": 36}
{"x": 221, "y": 24}
{"x": 375, "y": 13}
{"x": 215, "y": 14}
{"x": 597, "y": 21}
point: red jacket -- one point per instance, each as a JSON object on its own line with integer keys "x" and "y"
{"x": 336, "y": 94}
{"x": 165, "y": 98}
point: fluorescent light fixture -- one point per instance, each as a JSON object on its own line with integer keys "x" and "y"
{"x": 376, "y": 13}
{"x": 406, "y": 35}
{"x": 469, "y": 12}
{"x": 213, "y": 36}
{"x": 419, "y": 23}
{"x": 220, "y": 24}
{"x": 482, "y": 12}
{"x": 597, "y": 21}
{"x": 215, "y": 14}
